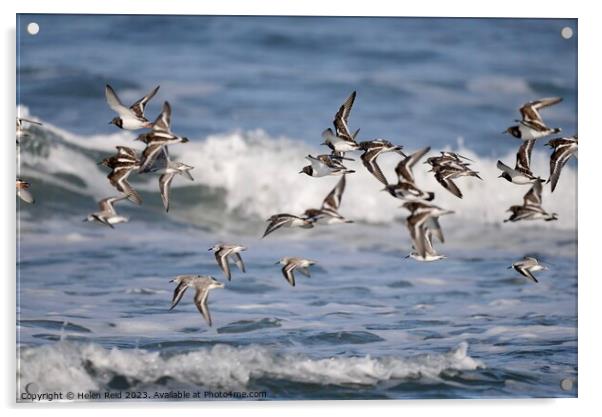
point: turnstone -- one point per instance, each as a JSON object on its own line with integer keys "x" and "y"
{"x": 341, "y": 140}
{"x": 324, "y": 165}
{"x": 521, "y": 174}
{"x": 131, "y": 118}
{"x": 372, "y": 149}
{"x": 406, "y": 187}
{"x": 531, "y": 208}
{"x": 532, "y": 125}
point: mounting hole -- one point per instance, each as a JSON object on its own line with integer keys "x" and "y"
{"x": 33, "y": 28}
{"x": 566, "y": 32}
{"x": 566, "y": 384}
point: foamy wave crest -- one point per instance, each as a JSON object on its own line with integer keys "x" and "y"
{"x": 257, "y": 175}
{"x": 89, "y": 367}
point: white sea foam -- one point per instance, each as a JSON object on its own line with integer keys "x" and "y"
{"x": 260, "y": 176}
{"x": 70, "y": 367}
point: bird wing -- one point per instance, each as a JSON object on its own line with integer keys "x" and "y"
{"x": 287, "y": 271}
{"x": 533, "y": 196}
{"x": 238, "y": 261}
{"x": 559, "y": 158}
{"x": 221, "y": 256}
{"x": 200, "y": 300}
{"x": 333, "y": 199}
{"x": 149, "y": 155}
{"x": 276, "y": 222}
{"x": 526, "y": 273}
{"x": 25, "y": 195}
{"x": 118, "y": 179}
{"x": 127, "y": 153}
{"x": 448, "y": 184}
{"x": 404, "y": 168}
{"x": 523, "y": 157}
{"x": 114, "y": 102}
{"x": 369, "y": 160}
{"x": 432, "y": 224}
{"x": 178, "y": 293}
{"x": 164, "y": 183}
{"x": 304, "y": 270}
{"x": 138, "y": 107}
{"x": 163, "y": 121}
{"x": 530, "y": 110}
{"x": 106, "y": 204}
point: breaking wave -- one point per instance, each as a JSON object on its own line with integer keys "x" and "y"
{"x": 253, "y": 175}
{"x": 89, "y": 367}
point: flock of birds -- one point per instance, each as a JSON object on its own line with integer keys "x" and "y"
{"x": 423, "y": 219}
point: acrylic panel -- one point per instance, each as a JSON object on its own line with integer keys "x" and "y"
{"x": 274, "y": 208}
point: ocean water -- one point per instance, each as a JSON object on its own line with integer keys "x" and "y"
{"x": 253, "y": 94}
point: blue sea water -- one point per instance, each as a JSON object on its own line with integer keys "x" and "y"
{"x": 253, "y": 94}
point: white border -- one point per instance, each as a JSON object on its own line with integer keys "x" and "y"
{"x": 589, "y": 283}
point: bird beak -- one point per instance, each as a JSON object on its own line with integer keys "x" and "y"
{"x": 277, "y": 263}
{"x": 504, "y": 132}
{"x": 210, "y": 249}
{"x": 500, "y": 176}
{"x": 111, "y": 122}
{"x": 300, "y": 172}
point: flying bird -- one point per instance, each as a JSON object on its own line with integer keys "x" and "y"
{"x": 527, "y": 266}
{"x": 372, "y": 149}
{"x": 286, "y": 220}
{"x": 532, "y": 126}
{"x": 292, "y": 264}
{"x": 107, "y": 214}
{"x": 521, "y": 174}
{"x": 223, "y": 252}
{"x": 329, "y": 212}
{"x": 202, "y": 284}
{"x": 129, "y": 118}
{"x": 159, "y": 137}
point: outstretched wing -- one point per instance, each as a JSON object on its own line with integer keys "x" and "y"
{"x": 559, "y": 158}
{"x": 239, "y": 263}
{"x": 178, "y": 293}
{"x": 200, "y": 300}
{"x": 164, "y": 183}
{"x": 276, "y": 222}
{"x": 163, "y": 121}
{"x": 404, "y": 168}
{"x": 369, "y": 160}
{"x": 222, "y": 261}
{"x": 114, "y": 102}
{"x": 138, "y": 107}
{"x": 287, "y": 271}
{"x": 448, "y": 184}
{"x": 106, "y": 204}
{"x": 523, "y": 157}
{"x": 530, "y": 111}
{"x": 533, "y": 196}
{"x": 333, "y": 199}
